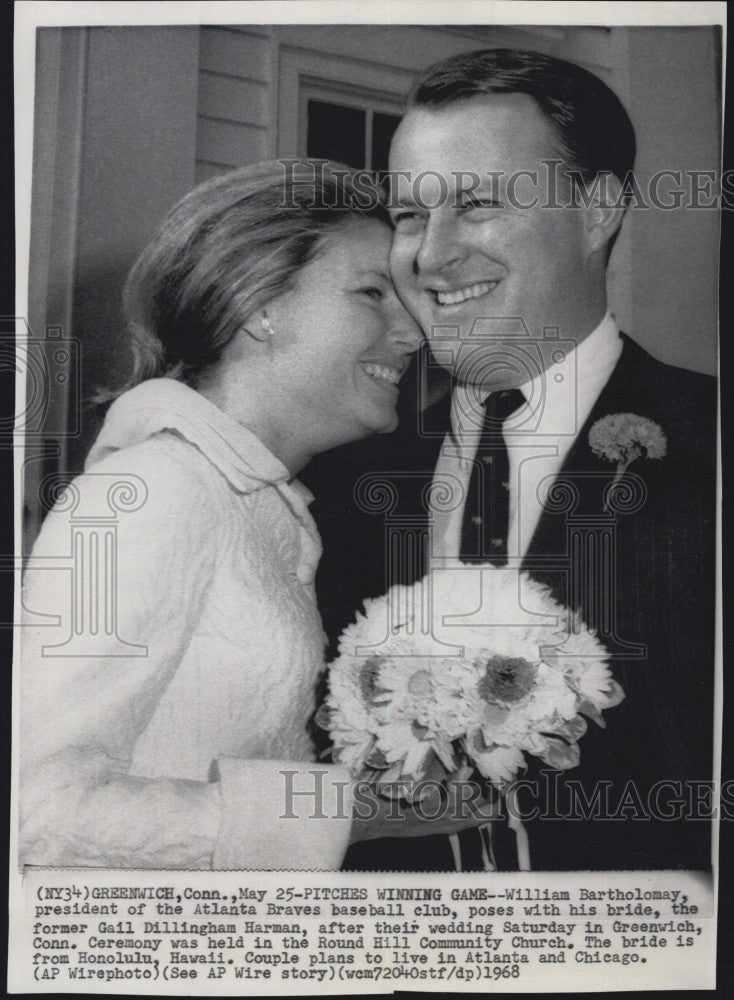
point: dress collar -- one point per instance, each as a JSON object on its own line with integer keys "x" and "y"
{"x": 166, "y": 404}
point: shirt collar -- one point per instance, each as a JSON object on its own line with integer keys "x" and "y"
{"x": 558, "y": 399}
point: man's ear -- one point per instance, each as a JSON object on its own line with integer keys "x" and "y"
{"x": 604, "y": 211}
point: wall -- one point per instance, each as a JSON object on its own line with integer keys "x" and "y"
{"x": 128, "y": 119}
{"x": 663, "y": 272}
{"x": 675, "y": 253}
{"x": 248, "y": 76}
{"x": 137, "y": 161}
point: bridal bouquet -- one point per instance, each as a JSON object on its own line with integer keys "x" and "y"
{"x": 471, "y": 667}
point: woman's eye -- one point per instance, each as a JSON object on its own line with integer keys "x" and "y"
{"x": 374, "y": 292}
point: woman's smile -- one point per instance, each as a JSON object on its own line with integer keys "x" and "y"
{"x": 342, "y": 340}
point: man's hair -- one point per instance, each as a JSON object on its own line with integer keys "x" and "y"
{"x": 594, "y": 132}
{"x": 223, "y": 252}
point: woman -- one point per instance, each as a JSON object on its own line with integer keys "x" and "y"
{"x": 265, "y": 329}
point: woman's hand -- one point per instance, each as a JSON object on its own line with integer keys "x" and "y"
{"x": 446, "y": 807}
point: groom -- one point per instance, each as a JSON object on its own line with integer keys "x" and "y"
{"x": 509, "y": 179}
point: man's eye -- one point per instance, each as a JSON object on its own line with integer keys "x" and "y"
{"x": 406, "y": 220}
{"x": 374, "y": 292}
{"x": 489, "y": 203}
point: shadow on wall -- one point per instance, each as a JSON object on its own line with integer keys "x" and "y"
{"x": 105, "y": 356}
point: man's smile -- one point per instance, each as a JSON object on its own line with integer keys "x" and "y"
{"x": 445, "y": 297}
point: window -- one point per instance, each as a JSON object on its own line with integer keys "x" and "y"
{"x": 355, "y": 129}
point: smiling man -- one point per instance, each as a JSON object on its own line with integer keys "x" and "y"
{"x": 510, "y": 173}
{"x": 481, "y": 238}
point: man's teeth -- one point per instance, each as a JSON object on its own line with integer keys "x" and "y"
{"x": 386, "y": 372}
{"x": 462, "y": 294}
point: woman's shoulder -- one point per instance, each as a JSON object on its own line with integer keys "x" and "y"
{"x": 154, "y": 493}
{"x": 165, "y": 464}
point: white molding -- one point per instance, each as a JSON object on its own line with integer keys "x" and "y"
{"x": 57, "y": 155}
{"x": 296, "y": 66}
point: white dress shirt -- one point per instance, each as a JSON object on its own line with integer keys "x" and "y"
{"x": 538, "y": 437}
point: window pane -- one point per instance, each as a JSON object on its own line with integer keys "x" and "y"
{"x": 336, "y": 132}
{"x": 383, "y": 126}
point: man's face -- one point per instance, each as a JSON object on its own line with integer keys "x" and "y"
{"x": 471, "y": 264}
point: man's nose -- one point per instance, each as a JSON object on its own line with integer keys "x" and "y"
{"x": 439, "y": 248}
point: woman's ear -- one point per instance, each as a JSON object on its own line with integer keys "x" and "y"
{"x": 258, "y": 326}
{"x": 604, "y": 210}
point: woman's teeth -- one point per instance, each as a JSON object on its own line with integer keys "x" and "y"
{"x": 385, "y": 372}
{"x": 462, "y": 294}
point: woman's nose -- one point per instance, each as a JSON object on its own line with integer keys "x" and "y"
{"x": 403, "y": 330}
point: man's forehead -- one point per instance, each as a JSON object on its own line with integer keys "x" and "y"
{"x": 496, "y": 122}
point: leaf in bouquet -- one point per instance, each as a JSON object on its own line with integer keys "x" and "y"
{"x": 590, "y": 710}
{"x": 560, "y": 754}
{"x": 393, "y": 789}
{"x": 420, "y": 790}
{"x": 376, "y": 760}
{"x": 477, "y": 742}
{"x": 394, "y": 783}
{"x": 444, "y": 753}
{"x": 615, "y": 695}
{"x": 572, "y": 729}
{"x": 418, "y": 759}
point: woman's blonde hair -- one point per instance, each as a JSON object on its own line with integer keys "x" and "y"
{"x": 224, "y": 251}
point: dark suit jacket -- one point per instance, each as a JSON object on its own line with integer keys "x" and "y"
{"x": 641, "y": 569}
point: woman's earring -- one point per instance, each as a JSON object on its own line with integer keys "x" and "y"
{"x": 266, "y": 327}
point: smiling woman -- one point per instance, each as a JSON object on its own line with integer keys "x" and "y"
{"x": 265, "y": 329}
{"x": 343, "y": 342}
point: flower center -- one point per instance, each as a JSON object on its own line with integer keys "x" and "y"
{"x": 506, "y": 679}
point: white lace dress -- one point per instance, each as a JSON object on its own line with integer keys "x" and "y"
{"x": 182, "y": 753}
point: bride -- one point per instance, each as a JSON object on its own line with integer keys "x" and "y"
{"x": 265, "y": 329}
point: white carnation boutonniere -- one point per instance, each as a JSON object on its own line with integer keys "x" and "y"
{"x": 625, "y": 437}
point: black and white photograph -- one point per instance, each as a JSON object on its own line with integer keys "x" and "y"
{"x": 366, "y": 480}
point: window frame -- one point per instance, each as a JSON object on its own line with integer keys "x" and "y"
{"x": 321, "y": 76}
{"x": 350, "y": 97}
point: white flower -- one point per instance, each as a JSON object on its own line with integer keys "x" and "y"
{"x": 499, "y": 764}
{"x": 586, "y": 672}
{"x": 624, "y": 437}
{"x": 351, "y": 717}
{"x": 426, "y": 690}
{"x": 470, "y": 657}
{"x": 402, "y": 742}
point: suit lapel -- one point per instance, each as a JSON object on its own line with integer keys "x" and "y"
{"x": 623, "y": 393}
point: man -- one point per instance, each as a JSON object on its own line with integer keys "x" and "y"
{"x": 510, "y": 172}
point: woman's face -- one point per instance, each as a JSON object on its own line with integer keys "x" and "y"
{"x": 341, "y": 338}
